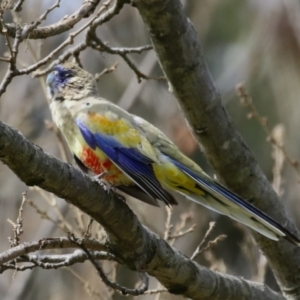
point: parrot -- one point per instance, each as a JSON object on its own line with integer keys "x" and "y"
{"x": 136, "y": 158}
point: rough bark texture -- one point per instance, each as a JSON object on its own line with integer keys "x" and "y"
{"x": 128, "y": 239}
{"x": 179, "y": 52}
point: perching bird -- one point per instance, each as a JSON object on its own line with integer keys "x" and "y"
{"x": 136, "y": 157}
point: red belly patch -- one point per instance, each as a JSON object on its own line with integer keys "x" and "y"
{"x": 92, "y": 161}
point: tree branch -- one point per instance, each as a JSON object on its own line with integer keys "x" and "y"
{"x": 50, "y": 243}
{"x": 179, "y": 51}
{"x": 67, "y": 23}
{"x": 134, "y": 244}
{"x": 53, "y": 261}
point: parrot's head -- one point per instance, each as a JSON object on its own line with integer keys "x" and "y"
{"x": 69, "y": 82}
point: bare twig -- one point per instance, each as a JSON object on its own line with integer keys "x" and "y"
{"x": 107, "y": 281}
{"x": 156, "y": 291}
{"x": 179, "y": 229}
{"x": 213, "y": 243}
{"x": 200, "y": 249}
{"x": 103, "y": 15}
{"x": 168, "y": 225}
{"x": 68, "y": 41}
{"x": 106, "y": 71}
{"x": 263, "y": 121}
{"x": 63, "y": 25}
{"x": 110, "y": 13}
{"x": 261, "y": 269}
{"x": 65, "y": 227}
{"x": 63, "y": 148}
{"x": 18, "y": 5}
{"x": 279, "y": 158}
{"x": 216, "y": 264}
{"x": 27, "y": 29}
{"x": 183, "y": 233}
{"x": 49, "y": 243}
{"x": 55, "y": 261}
{"x": 4, "y": 32}
{"x": 132, "y": 90}
{"x": 86, "y": 285}
{"x": 96, "y": 43}
{"x": 88, "y": 229}
{"x": 12, "y": 68}
{"x": 15, "y": 267}
{"x": 74, "y": 51}
{"x": 18, "y": 226}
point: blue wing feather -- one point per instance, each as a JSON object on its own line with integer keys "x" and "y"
{"x": 88, "y": 136}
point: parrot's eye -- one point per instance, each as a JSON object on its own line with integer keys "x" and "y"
{"x": 62, "y": 74}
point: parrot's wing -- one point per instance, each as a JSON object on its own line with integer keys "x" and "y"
{"x": 132, "y": 160}
{"x": 136, "y": 192}
{"x": 160, "y": 141}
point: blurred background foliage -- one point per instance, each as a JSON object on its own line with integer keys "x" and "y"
{"x": 250, "y": 41}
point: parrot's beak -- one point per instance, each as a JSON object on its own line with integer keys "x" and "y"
{"x": 50, "y": 79}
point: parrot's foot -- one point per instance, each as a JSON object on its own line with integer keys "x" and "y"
{"x": 113, "y": 190}
{"x": 107, "y": 187}
{"x": 98, "y": 179}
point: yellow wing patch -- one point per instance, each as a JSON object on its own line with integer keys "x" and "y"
{"x": 122, "y": 131}
{"x": 109, "y": 123}
{"x": 173, "y": 178}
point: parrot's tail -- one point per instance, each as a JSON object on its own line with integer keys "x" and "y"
{"x": 220, "y": 199}
{"x": 261, "y": 222}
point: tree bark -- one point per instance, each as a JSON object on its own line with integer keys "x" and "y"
{"x": 181, "y": 58}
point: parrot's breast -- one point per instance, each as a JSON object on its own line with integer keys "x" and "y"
{"x": 94, "y": 160}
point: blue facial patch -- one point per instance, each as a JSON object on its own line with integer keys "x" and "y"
{"x": 58, "y": 77}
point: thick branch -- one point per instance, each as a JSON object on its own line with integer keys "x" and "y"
{"x": 128, "y": 239}
{"x": 180, "y": 55}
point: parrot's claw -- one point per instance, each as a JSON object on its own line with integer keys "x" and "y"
{"x": 113, "y": 190}
{"x": 107, "y": 187}
{"x": 98, "y": 179}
